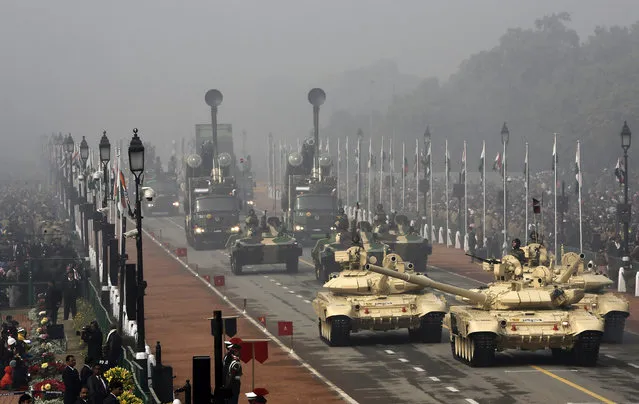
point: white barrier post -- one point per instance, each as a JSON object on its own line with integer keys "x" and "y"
{"x": 458, "y": 240}
{"x": 637, "y": 284}
{"x": 621, "y": 282}
{"x": 441, "y": 235}
{"x": 425, "y": 231}
{"x": 449, "y": 238}
{"x": 432, "y": 234}
{"x": 465, "y": 242}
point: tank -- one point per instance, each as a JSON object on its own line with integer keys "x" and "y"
{"x": 267, "y": 244}
{"x": 613, "y": 309}
{"x": 523, "y": 314}
{"x": 405, "y": 241}
{"x": 357, "y": 300}
{"x": 323, "y": 253}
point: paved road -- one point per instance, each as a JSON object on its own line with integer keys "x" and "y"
{"x": 385, "y": 367}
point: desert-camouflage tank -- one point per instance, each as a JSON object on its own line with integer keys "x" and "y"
{"x": 401, "y": 239}
{"x": 516, "y": 313}
{"x": 356, "y": 300}
{"x": 611, "y": 308}
{"x": 267, "y": 244}
{"x": 323, "y": 254}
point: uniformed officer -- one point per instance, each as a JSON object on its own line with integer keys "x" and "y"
{"x": 233, "y": 369}
{"x": 517, "y": 252}
{"x": 380, "y": 215}
{"x": 342, "y": 220}
{"x": 257, "y": 396}
{"x": 251, "y": 220}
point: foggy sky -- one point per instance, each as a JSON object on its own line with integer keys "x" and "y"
{"x": 82, "y": 66}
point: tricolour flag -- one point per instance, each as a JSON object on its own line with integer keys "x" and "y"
{"x": 427, "y": 163}
{"x": 554, "y": 153}
{"x": 463, "y": 166}
{"x": 497, "y": 164}
{"x": 481, "y": 161}
{"x": 526, "y": 170}
{"x": 620, "y": 171}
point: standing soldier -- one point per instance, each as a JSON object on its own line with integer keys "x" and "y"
{"x": 472, "y": 242}
{"x": 233, "y": 369}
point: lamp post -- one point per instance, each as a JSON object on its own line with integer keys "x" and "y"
{"x": 58, "y": 160}
{"x": 316, "y": 97}
{"x": 69, "y": 145}
{"x": 626, "y": 136}
{"x": 136, "y": 165}
{"x": 505, "y": 134}
{"x": 105, "y": 156}
{"x": 84, "y": 156}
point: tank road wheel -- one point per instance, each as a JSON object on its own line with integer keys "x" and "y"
{"x": 429, "y": 331}
{"x": 614, "y": 327}
{"x": 478, "y": 350}
{"x": 586, "y": 349}
{"x": 292, "y": 265}
{"x": 236, "y": 265}
{"x": 338, "y": 331}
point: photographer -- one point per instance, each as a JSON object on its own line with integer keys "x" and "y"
{"x": 92, "y": 335}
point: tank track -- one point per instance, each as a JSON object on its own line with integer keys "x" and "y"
{"x": 336, "y": 331}
{"x": 292, "y": 265}
{"x": 430, "y": 329}
{"x": 477, "y": 350}
{"x": 615, "y": 322}
{"x": 586, "y": 349}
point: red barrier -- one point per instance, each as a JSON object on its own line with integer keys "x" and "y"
{"x": 207, "y": 278}
{"x": 218, "y": 280}
{"x": 181, "y": 252}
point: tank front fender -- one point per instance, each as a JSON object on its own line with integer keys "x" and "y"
{"x": 339, "y": 310}
{"x": 583, "y": 323}
{"x": 611, "y": 303}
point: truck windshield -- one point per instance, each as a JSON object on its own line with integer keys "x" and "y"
{"x": 316, "y": 202}
{"x": 217, "y": 204}
{"x": 160, "y": 188}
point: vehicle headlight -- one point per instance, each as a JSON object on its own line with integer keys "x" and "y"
{"x": 150, "y": 205}
{"x": 176, "y": 203}
{"x": 199, "y": 230}
{"x": 235, "y": 229}
{"x": 250, "y": 203}
{"x": 298, "y": 227}
{"x": 333, "y": 228}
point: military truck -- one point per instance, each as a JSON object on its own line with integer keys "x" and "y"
{"x": 515, "y": 314}
{"x": 167, "y": 198}
{"x": 405, "y": 241}
{"x": 309, "y": 199}
{"x": 356, "y": 300}
{"x": 267, "y": 244}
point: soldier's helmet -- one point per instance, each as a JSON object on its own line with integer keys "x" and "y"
{"x": 380, "y": 207}
{"x": 516, "y": 243}
{"x": 341, "y": 211}
{"x": 251, "y": 212}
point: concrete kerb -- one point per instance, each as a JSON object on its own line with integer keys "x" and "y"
{"x": 258, "y": 325}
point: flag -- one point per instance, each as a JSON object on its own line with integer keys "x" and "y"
{"x": 481, "y": 161}
{"x": 578, "y": 169}
{"x": 262, "y": 319}
{"x": 497, "y": 164}
{"x": 620, "y": 171}
{"x": 370, "y": 154}
{"x": 447, "y": 162}
{"x": 427, "y": 163}
{"x": 554, "y": 153}
{"x": 536, "y": 206}
{"x": 284, "y": 328}
{"x": 462, "y": 171}
{"x": 405, "y": 165}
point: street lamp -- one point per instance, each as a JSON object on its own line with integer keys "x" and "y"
{"x": 84, "y": 151}
{"x": 84, "y": 156}
{"x": 105, "y": 156}
{"x": 136, "y": 165}
{"x": 505, "y": 135}
{"x": 69, "y": 146}
{"x": 625, "y": 210}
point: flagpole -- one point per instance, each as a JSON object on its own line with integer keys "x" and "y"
{"x": 503, "y": 165}
{"x": 358, "y": 191}
{"x": 348, "y": 177}
{"x": 554, "y": 157}
{"x": 370, "y": 169}
{"x": 338, "y": 167}
{"x": 417, "y": 175}
{"x": 526, "y": 184}
{"x": 403, "y": 176}
{"x": 390, "y": 171}
{"x": 446, "y": 236}
{"x": 579, "y": 179}
{"x": 430, "y": 185}
{"x": 465, "y": 194}
{"x": 484, "y": 238}
{"x": 381, "y": 171}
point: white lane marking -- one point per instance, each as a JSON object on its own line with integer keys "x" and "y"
{"x": 259, "y": 326}
{"x": 272, "y": 280}
{"x": 534, "y": 371}
{"x": 266, "y": 276}
{"x": 610, "y": 356}
{"x": 634, "y": 366}
{"x": 388, "y": 351}
{"x": 285, "y": 287}
{"x": 418, "y": 369}
{"x": 300, "y": 296}
{"x": 278, "y": 284}
{"x": 451, "y": 388}
{"x": 291, "y": 291}
{"x": 471, "y": 401}
{"x": 403, "y": 360}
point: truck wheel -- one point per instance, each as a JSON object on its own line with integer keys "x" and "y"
{"x": 236, "y": 265}
{"x": 292, "y": 265}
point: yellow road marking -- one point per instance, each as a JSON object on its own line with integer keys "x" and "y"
{"x": 573, "y": 385}
{"x": 307, "y": 263}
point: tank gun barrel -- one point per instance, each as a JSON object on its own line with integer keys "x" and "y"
{"x": 488, "y": 261}
{"x": 474, "y": 297}
{"x": 566, "y": 274}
